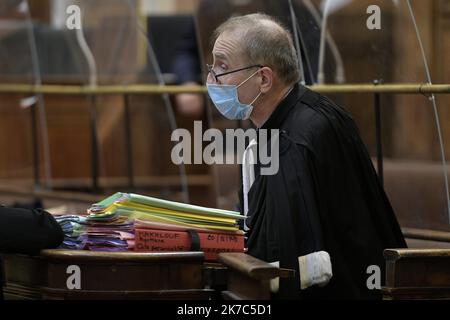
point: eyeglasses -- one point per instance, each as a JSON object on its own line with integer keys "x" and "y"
{"x": 216, "y": 76}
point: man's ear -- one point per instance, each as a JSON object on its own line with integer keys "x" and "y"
{"x": 266, "y": 79}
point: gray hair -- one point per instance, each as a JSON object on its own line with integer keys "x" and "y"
{"x": 267, "y": 42}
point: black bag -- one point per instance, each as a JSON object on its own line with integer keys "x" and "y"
{"x": 28, "y": 231}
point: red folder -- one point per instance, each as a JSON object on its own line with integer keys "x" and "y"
{"x": 211, "y": 243}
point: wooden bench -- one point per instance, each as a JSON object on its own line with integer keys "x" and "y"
{"x": 426, "y": 239}
{"x": 417, "y": 274}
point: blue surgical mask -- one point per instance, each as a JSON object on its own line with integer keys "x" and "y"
{"x": 226, "y": 100}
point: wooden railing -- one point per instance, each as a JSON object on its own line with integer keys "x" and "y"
{"x": 403, "y": 88}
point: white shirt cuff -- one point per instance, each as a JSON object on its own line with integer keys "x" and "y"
{"x": 315, "y": 269}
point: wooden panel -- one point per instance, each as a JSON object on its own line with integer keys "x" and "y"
{"x": 183, "y": 6}
{"x": 440, "y": 65}
{"x": 416, "y": 190}
{"x": 426, "y": 239}
{"x": 15, "y": 138}
{"x": 426, "y": 244}
{"x": 199, "y": 294}
{"x": 106, "y": 275}
{"x": 40, "y": 10}
{"x": 424, "y": 234}
{"x": 417, "y": 274}
{"x": 242, "y": 287}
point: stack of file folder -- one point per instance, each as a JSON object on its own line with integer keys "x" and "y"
{"x": 162, "y": 225}
{"x": 151, "y": 209}
{"x": 83, "y": 233}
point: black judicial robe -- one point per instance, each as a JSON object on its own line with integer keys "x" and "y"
{"x": 28, "y": 231}
{"x": 326, "y": 196}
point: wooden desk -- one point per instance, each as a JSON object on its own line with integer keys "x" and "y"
{"x": 103, "y": 275}
{"x": 417, "y": 274}
{"x": 106, "y": 275}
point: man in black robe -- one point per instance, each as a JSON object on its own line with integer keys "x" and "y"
{"x": 324, "y": 213}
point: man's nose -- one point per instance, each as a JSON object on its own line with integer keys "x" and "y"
{"x": 210, "y": 79}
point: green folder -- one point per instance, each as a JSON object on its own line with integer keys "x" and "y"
{"x": 170, "y": 205}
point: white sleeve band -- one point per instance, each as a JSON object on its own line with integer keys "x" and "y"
{"x": 275, "y": 282}
{"x": 315, "y": 269}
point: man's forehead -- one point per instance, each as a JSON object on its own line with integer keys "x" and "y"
{"x": 227, "y": 47}
{"x": 220, "y": 55}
